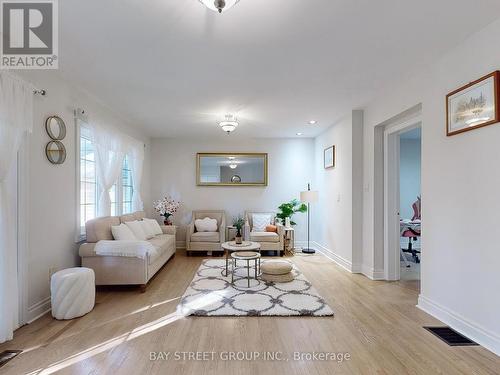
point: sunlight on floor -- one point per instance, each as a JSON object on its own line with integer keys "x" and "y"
{"x": 121, "y": 317}
{"x": 128, "y": 336}
{"x": 199, "y": 303}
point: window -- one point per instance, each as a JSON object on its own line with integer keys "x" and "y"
{"x": 127, "y": 189}
{"x": 120, "y": 194}
{"x": 88, "y": 181}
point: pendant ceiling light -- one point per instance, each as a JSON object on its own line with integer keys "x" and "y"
{"x": 219, "y": 5}
{"x": 229, "y": 124}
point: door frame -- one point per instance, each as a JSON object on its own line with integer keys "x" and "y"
{"x": 392, "y": 241}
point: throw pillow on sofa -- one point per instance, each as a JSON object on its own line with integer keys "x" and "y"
{"x": 155, "y": 227}
{"x": 260, "y": 221}
{"x": 206, "y": 225}
{"x": 148, "y": 230}
{"x": 122, "y": 233}
{"x": 136, "y": 228}
{"x": 271, "y": 228}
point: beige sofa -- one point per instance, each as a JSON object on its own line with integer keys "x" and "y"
{"x": 268, "y": 240}
{"x": 118, "y": 270}
{"x": 206, "y": 241}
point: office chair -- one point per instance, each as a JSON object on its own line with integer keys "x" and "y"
{"x": 411, "y": 230}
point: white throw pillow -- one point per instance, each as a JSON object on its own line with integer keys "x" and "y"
{"x": 260, "y": 221}
{"x": 155, "y": 227}
{"x": 206, "y": 225}
{"x": 122, "y": 233}
{"x": 148, "y": 230}
{"x": 136, "y": 228}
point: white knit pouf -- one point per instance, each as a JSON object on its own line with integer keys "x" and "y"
{"x": 72, "y": 292}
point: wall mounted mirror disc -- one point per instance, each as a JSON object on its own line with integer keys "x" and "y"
{"x": 56, "y": 128}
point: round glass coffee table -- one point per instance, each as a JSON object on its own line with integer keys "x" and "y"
{"x": 247, "y": 256}
{"x": 231, "y": 246}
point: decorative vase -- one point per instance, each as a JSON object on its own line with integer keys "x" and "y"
{"x": 167, "y": 221}
{"x": 287, "y": 222}
{"x": 238, "y": 238}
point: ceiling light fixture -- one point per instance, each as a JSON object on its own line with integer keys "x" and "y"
{"x": 219, "y": 5}
{"x": 312, "y": 122}
{"x": 299, "y": 134}
{"x": 229, "y": 124}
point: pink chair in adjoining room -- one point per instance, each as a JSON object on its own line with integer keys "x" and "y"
{"x": 411, "y": 229}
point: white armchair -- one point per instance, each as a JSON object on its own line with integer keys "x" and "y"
{"x": 206, "y": 241}
{"x": 273, "y": 241}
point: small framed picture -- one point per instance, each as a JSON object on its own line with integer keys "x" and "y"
{"x": 329, "y": 157}
{"x": 474, "y": 105}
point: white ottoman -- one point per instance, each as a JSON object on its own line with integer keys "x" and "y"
{"x": 72, "y": 292}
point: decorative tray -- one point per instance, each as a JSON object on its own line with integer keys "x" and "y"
{"x": 244, "y": 244}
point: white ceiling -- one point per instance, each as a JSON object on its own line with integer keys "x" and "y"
{"x": 174, "y": 67}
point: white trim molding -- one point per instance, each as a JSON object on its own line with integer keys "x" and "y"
{"x": 23, "y": 214}
{"x": 469, "y": 329}
{"x": 38, "y": 309}
{"x": 342, "y": 262}
{"x": 372, "y": 273}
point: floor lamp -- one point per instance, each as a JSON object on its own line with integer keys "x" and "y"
{"x": 308, "y": 197}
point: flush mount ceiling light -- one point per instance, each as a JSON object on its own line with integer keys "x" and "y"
{"x": 220, "y": 6}
{"x": 312, "y": 122}
{"x": 229, "y": 124}
{"x": 299, "y": 134}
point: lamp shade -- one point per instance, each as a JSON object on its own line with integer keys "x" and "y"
{"x": 309, "y": 196}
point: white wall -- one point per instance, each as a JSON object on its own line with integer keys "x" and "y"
{"x": 460, "y": 179}
{"x": 337, "y": 220}
{"x": 409, "y": 175}
{"x": 52, "y": 189}
{"x": 174, "y": 173}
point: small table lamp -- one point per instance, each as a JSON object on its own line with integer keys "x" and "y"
{"x": 308, "y": 197}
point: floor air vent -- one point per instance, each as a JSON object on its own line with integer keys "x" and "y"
{"x": 7, "y": 355}
{"x": 451, "y": 337}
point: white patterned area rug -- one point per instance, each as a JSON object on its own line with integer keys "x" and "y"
{"x": 212, "y": 294}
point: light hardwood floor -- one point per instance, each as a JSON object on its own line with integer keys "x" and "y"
{"x": 377, "y": 323}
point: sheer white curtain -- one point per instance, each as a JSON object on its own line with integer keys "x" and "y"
{"x": 16, "y": 119}
{"x": 136, "y": 162}
{"x": 110, "y": 150}
{"x": 111, "y": 146}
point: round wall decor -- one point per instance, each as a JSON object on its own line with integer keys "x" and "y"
{"x": 55, "y": 152}
{"x": 55, "y": 128}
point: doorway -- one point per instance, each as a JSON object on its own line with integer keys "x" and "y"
{"x": 402, "y": 199}
{"x": 410, "y": 201}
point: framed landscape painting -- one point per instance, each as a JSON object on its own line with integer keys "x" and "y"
{"x": 474, "y": 105}
{"x": 329, "y": 157}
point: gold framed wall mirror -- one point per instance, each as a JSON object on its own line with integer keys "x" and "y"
{"x": 231, "y": 169}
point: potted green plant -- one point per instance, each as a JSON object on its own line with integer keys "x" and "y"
{"x": 287, "y": 210}
{"x": 238, "y": 223}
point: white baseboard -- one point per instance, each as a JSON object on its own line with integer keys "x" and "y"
{"x": 372, "y": 273}
{"x": 38, "y": 309}
{"x": 342, "y": 262}
{"x": 467, "y": 328}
